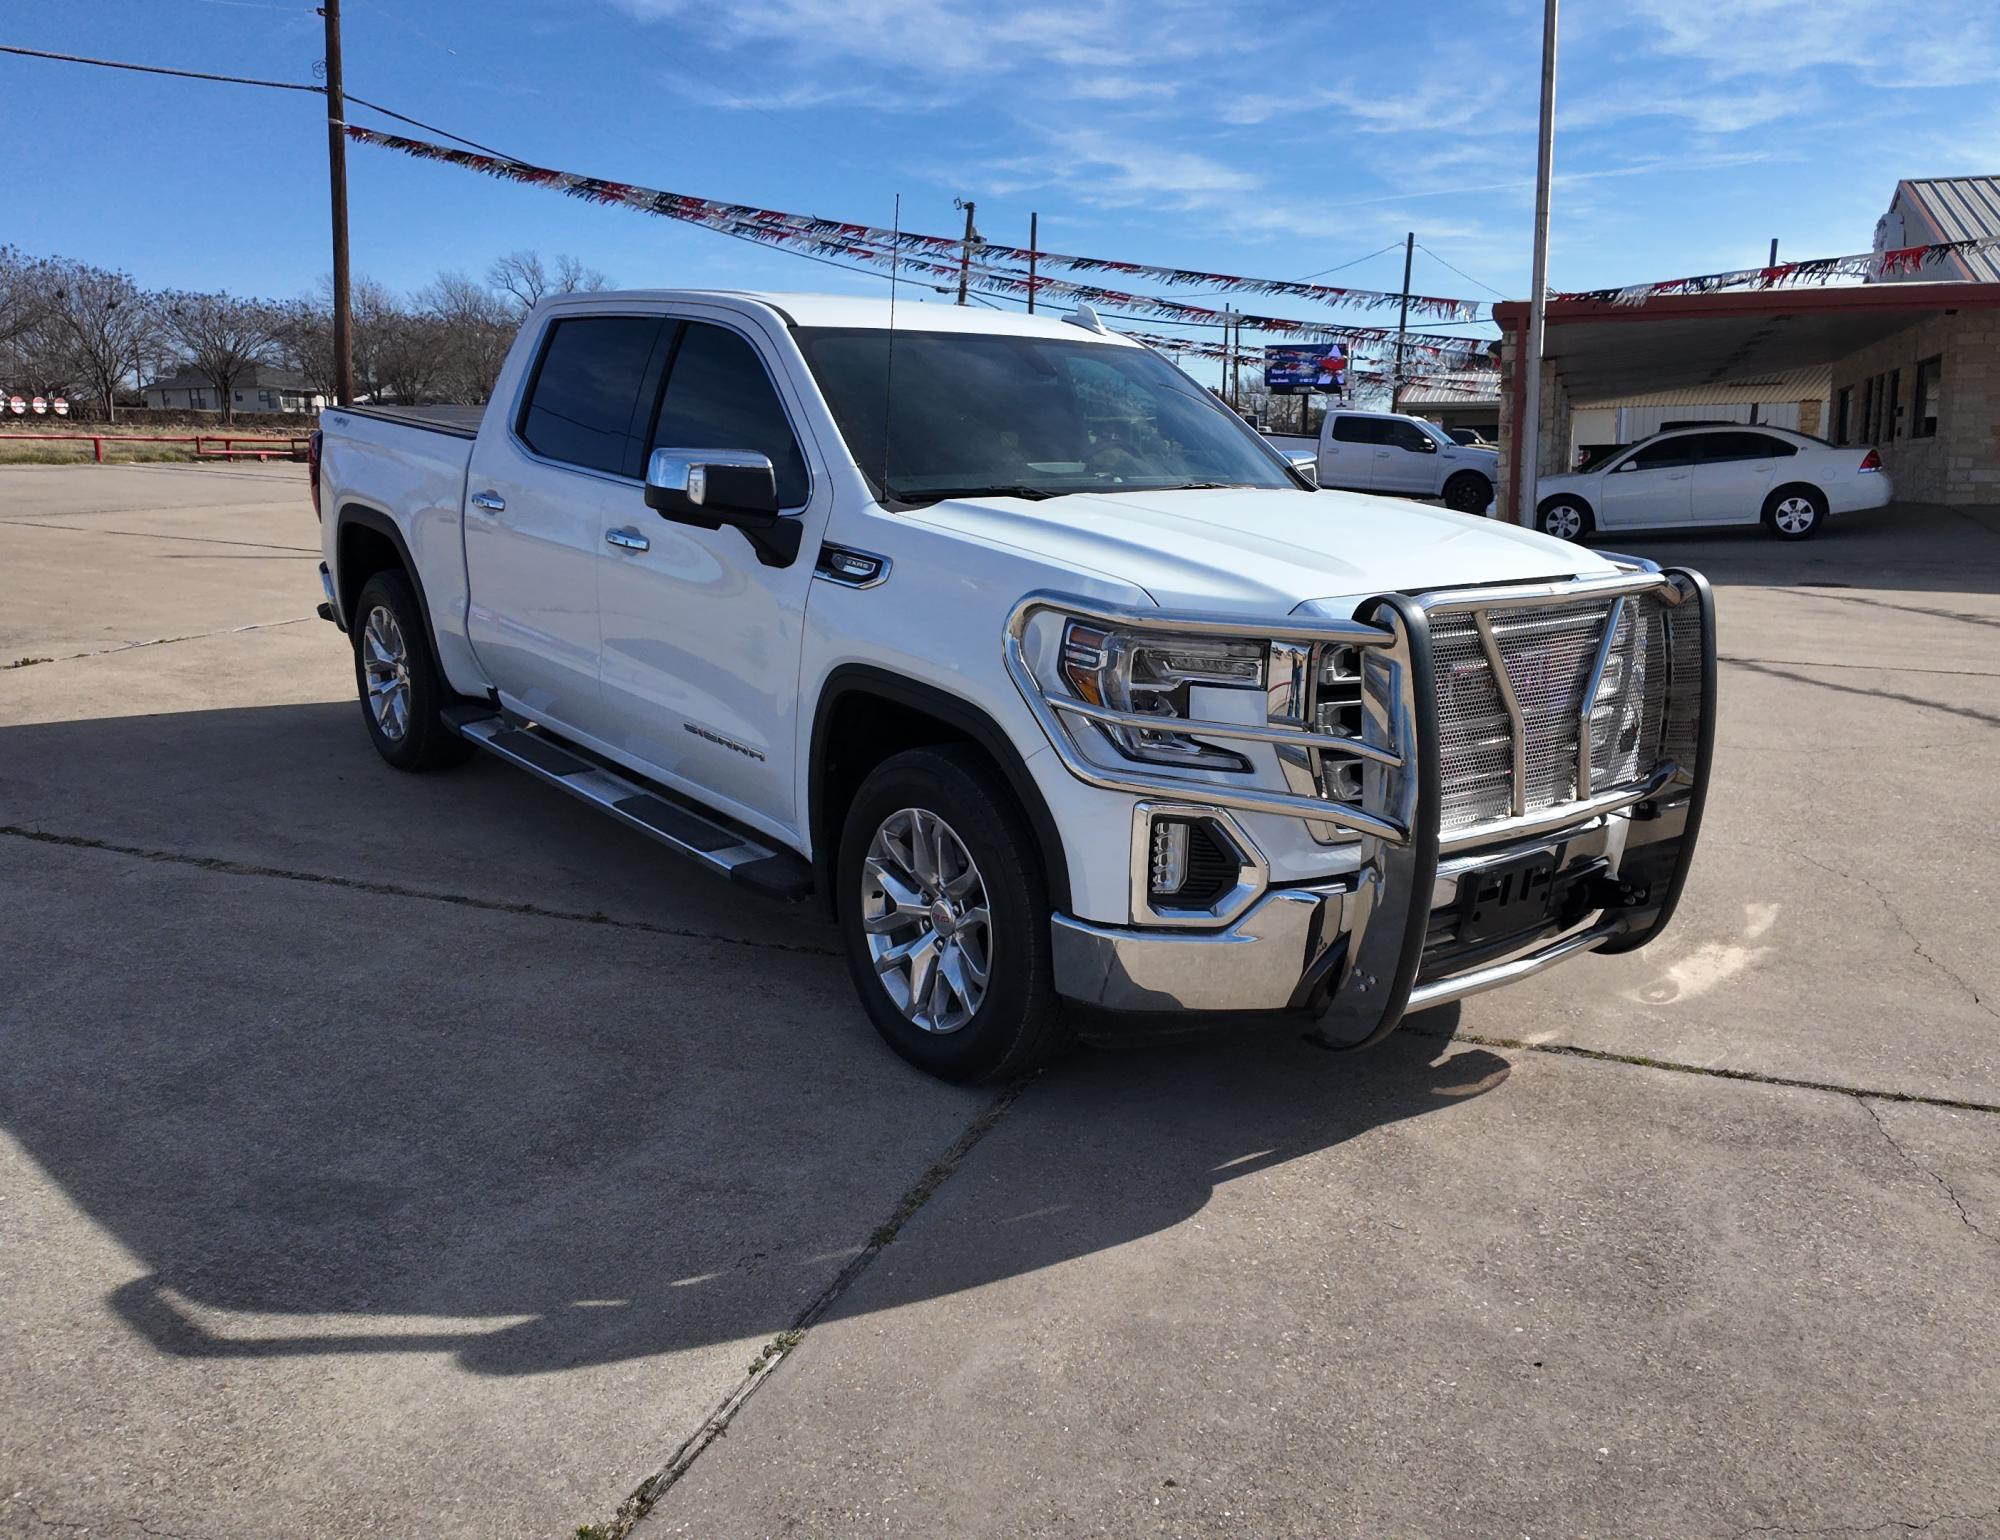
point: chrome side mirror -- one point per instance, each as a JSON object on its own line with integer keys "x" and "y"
{"x": 708, "y": 488}
{"x": 1306, "y": 463}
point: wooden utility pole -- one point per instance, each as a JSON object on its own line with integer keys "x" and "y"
{"x": 336, "y": 167}
{"x": 1034, "y": 242}
{"x": 1402, "y": 325}
{"x": 965, "y": 252}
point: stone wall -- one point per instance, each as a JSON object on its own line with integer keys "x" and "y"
{"x": 1961, "y": 464}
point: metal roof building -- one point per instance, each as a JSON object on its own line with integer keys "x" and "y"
{"x": 1944, "y": 208}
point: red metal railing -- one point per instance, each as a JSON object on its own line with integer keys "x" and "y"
{"x": 262, "y": 448}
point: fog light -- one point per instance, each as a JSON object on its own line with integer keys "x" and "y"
{"x": 1170, "y": 857}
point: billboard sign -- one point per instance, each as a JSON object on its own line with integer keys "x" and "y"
{"x": 1293, "y": 370}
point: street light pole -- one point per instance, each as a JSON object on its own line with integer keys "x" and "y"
{"x": 1526, "y": 474}
{"x": 336, "y": 166}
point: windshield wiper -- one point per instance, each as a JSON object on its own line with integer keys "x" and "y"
{"x": 939, "y": 494}
{"x": 1183, "y": 486}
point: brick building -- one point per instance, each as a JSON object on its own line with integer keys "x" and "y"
{"x": 1911, "y": 368}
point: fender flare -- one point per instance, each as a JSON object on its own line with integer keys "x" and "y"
{"x": 373, "y": 519}
{"x": 955, "y": 712}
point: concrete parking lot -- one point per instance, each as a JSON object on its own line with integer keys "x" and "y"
{"x": 384, "y": 1155}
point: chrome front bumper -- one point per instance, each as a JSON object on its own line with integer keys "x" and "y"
{"x": 1283, "y": 953}
{"x": 1363, "y": 952}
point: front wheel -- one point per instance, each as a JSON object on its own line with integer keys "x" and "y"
{"x": 1565, "y": 518}
{"x": 1468, "y": 492}
{"x": 944, "y": 916}
{"x": 1793, "y": 513}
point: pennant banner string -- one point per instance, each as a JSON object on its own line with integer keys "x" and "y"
{"x": 776, "y": 227}
{"x": 1898, "y": 262}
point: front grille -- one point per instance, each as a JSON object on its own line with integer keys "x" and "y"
{"x": 1548, "y": 652}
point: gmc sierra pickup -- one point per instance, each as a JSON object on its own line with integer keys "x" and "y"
{"x": 1000, "y": 635}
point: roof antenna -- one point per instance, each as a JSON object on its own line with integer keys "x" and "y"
{"x": 889, "y": 364}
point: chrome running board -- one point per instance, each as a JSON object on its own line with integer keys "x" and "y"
{"x": 733, "y": 853}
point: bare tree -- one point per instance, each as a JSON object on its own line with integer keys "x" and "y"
{"x": 409, "y": 356}
{"x": 23, "y": 293}
{"x": 523, "y": 279}
{"x": 475, "y": 328}
{"x": 105, "y": 322}
{"x": 221, "y": 336}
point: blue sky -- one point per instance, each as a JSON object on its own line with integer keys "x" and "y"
{"x": 1268, "y": 139}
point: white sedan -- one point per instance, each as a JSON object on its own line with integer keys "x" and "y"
{"x": 1697, "y": 478}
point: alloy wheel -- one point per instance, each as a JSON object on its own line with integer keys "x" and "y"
{"x": 385, "y": 663}
{"x": 925, "y": 916}
{"x": 1795, "y": 515}
{"x": 1564, "y": 521}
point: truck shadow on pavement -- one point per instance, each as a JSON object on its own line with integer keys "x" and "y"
{"x": 322, "y": 1119}
{"x": 1129, "y": 1156}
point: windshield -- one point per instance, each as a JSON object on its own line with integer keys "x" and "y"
{"x": 970, "y": 413}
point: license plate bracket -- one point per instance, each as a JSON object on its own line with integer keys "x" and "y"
{"x": 1508, "y": 898}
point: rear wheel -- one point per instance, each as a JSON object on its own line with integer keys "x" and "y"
{"x": 402, "y": 689}
{"x": 1567, "y": 518}
{"x": 944, "y": 916}
{"x": 1793, "y": 513}
{"x": 1468, "y": 492}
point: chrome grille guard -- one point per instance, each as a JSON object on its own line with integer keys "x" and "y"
{"x": 1397, "y": 824}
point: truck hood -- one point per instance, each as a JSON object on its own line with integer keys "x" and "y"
{"x": 1264, "y": 552}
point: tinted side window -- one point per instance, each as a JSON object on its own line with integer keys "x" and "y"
{"x": 719, "y": 397}
{"x": 585, "y": 405}
{"x": 1357, "y": 430}
{"x": 1407, "y": 435}
{"x": 1670, "y": 451}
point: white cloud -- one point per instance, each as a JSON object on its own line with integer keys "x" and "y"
{"x": 1886, "y": 44}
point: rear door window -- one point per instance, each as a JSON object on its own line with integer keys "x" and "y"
{"x": 1358, "y": 430}
{"x": 719, "y": 396}
{"x": 592, "y": 388}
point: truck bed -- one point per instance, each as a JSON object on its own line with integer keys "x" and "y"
{"x": 459, "y": 421}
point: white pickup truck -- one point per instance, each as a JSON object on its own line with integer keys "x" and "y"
{"x": 1075, "y": 702}
{"x": 1403, "y": 456}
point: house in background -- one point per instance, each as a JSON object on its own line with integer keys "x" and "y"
{"x": 260, "y": 388}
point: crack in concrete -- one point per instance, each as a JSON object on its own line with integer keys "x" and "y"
{"x": 1949, "y": 1191}
{"x": 94, "y": 1524}
{"x": 1866, "y": 668}
{"x": 1916, "y": 941}
{"x": 1712, "y": 1071}
{"x": 648, "y": 1493}
{"x": 1912, "y": 1526}
{"x": 396, "y": 890}
{"x": 140, "y": 534}
{"x": 162, "y": 641}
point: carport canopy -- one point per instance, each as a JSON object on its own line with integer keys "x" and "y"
{"x": 1602, "y": 351}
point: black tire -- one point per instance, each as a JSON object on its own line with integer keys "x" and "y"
{"x": 424, "y": 742}
{"x": 1016, "y": 1025}
{"x": 1801, "y": 507}
{"x": 1468, "y": 492}
{"x": 1550, "y": 517}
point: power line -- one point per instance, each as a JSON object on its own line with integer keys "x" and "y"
{"x": 159, "y": 69}
{"x": 1461, "y": 272}
{"x": 245, "y": 80}
{"x": 1346, "y": 265}
{"x": 389, "y": 112}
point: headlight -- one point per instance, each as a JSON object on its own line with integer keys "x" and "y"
{"x": 1149, "y": 674}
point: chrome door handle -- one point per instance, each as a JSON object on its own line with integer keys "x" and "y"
{"x": 489, "y": 502}
{"x": 628, "y": 540}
